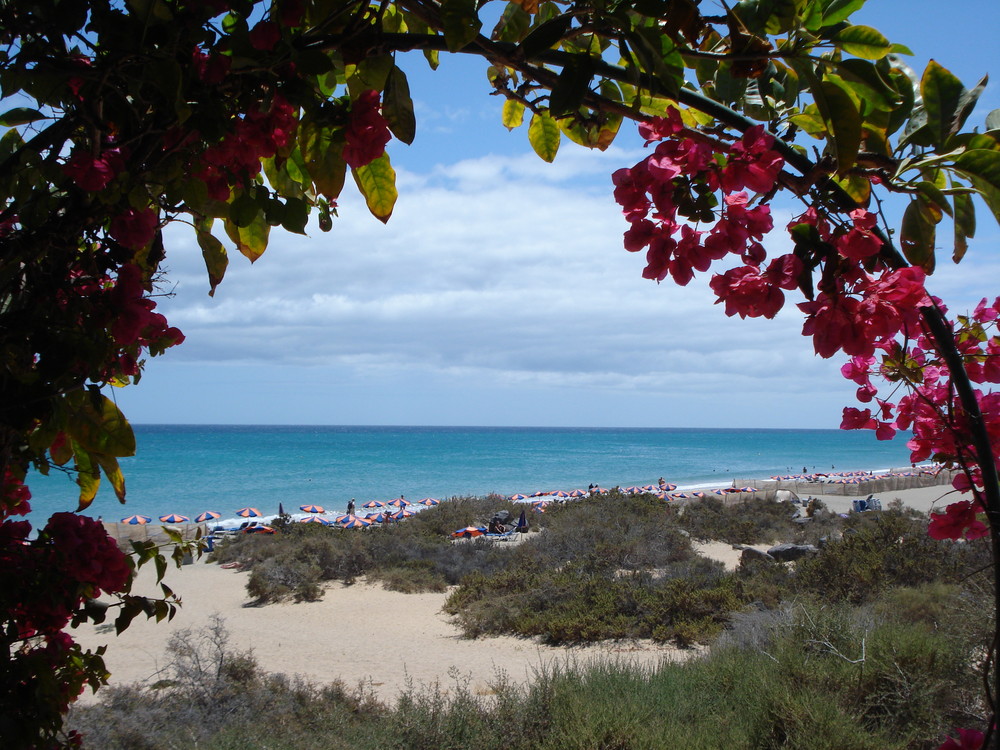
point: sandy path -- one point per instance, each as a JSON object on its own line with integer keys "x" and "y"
{"x": 359, "y": 634}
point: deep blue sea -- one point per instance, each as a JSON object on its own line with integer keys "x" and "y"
{"x": 190, "y": 469}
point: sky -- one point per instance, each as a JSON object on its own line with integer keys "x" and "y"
{"x": 499, "y": 292}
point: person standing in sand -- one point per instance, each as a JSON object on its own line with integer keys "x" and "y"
{"x": 350, "y": 507}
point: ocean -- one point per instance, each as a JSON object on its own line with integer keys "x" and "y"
{"x": 188, "y": 469}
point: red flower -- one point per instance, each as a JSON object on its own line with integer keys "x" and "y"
{"x": 134, "y": 229}
{"x": 264, "y": 36}
{"x": 367, "y": 132}
{"x": 968, "y": 739}
{"x": 959, "y": 520}
{"x": 93, "y": 173}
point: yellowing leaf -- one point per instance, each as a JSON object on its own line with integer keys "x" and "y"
{"x": 513, "y": 114}
{"x": 250, "y": 240}
{"x": 543, "y": 135}
{"x": 377, "y": 183}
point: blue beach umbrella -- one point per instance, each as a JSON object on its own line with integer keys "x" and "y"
{"x": 312, "y": 509}
{"x": 208, "y": 515}
{"x": 248, "y": 513}
{"x": 577, "y": 493}
{"x": 372, "y": 504}
{"x": 174, "y": 518}
{"x": 357, "y": 523}
{"x": 429, "y": 501}
{"x": 314, "y": 519}
{"x": 518, "y": 496}
{"x": 137, "y": 520}
{"x": 559, "y": 493}
{"x": 402, "y": 513}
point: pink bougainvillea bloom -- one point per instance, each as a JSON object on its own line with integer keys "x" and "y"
{"x": 134, "y": 228}
{"x": 856, "y": 419}
{"x": 658, "y": 128}
{"x": 265, "y": 35}
{"x": 93, "y": 173}
{"x": 968, "y": 739}
{"x": 747, "y": 293}
{"x": 958, "y": 520}
{"x": 367, "y": 132}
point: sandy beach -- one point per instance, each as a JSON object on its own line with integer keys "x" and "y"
{"x": 367, "y": 636}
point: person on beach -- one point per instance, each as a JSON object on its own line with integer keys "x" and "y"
{"x": 386, "y": 517}
{"x": 350, "y": 507}
{"x": 663, "y": 482}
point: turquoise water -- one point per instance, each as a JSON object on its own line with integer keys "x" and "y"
{"x": 189, "y": 469}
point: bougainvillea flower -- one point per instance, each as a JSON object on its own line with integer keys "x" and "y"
{"x": 968, "y": 739}
{"x": 93, "y": 173}
{"x": 134, "y": 228}
{"x": 958, "y": 520}
{"x": 367, "y": 132}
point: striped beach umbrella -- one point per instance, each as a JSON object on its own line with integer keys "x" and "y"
{"x": 357, "y": 523}
{"x": 559, "y": 493}
{"x": 518, "y": 496}
{"x": 402, "y": 513}
{"x": 312, "y": 509}
{"x": 399, "y": 503}
{"x": 372, "y": 504}
{"x": 699, "y": 493}
{"x": 538, "y": 494}
{"x": 208, "y": 515}
{"x": 342, "y": 518}
{"x": 258, "y": 529}
{"x": 679, "y": 496}
{"x": 468, "y": 532}
{"x": 649, "y": 488}
{"x": 429, "y": 501}
{"x": 374, "y": 517}
{"x": 174, "y": 518}
{"x": 248, "y": 513}
{"x": 137, "y": 520}
{"x": 669, "y": 487}
{"x": 577, "y": 493}
{"x": 314, "y": 519}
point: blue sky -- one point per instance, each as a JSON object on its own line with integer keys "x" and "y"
{"x": 499, "y": 292}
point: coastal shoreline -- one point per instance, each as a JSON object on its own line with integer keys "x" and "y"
{"x": 381, "y": 641}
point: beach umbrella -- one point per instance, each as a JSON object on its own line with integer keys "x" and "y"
{"x": 577, "y": 493}
{"x": 538, "y": 494}
{"x": 429, "y": 501}
{"x": 679, "y": 496}
{"x": 174, "y": 518}
{"x": 699, "y": 493}
{"x": 357, "y": 523}
{"x": 649, "y": 488}
{"x": 669, "y": 487}
{"x": 137, "y": 520}
{"x": 399, "y": 503}
{"x": 468, "y": 532}
{"x": 248, "y": 513}
{"x": 342, "y": 518}
{"x": 632, "y": 490}
{"x": 314, "y": 519}
{"x": 312, "y": 509}
{"x": 374, "y": 517}
{"x": 258, "y": 529}
{"x": 371, "y": 504}
{"x": 208, "y": 515}
{"x": 559, "y": 493}
{"x": 399, "y": 515}
{"x": 518, "y": 496}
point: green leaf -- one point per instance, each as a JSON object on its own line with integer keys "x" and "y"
{"x": 863, "y": 41}
{"x": 322, "y": 152}
{"x": 513, "y": 24}
{"x": 545, "y": 35}
{"x": 981, "y": 163}
{"x": 835, "y": 11}
{"x": 993, "y": 120}
{"x": 513, "y": 114}
{"x": 244, "y": 210}
{"x": 397, "y": 107}
{"x": 97, "y": 425}
{"x": 88, "y": 477}
{"x": 377, "y": 183}
{"x": 916, "y": 237}
{"x": 942, "y": 96}
{"x": 965, "y": 224}
{"x": 114, "y": 474}
{"x": 20, "y": 116}
{"x": 461, "y": 23}
{"x": 932, "y": 193}
{"x": 250, "y": 240}
{"x": 856, "y": 186}
{"x": 966, "y": 103}
{"x": 844, "y": 120}
{"x": 543, "y": 135}
{"x": 570, "y": 88}
{"x": 214, "y": 253}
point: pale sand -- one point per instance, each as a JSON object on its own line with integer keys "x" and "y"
{"x": 363, "y": 634}
{"x": 360, "y": 634}
{"x": 924, "y": 499}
